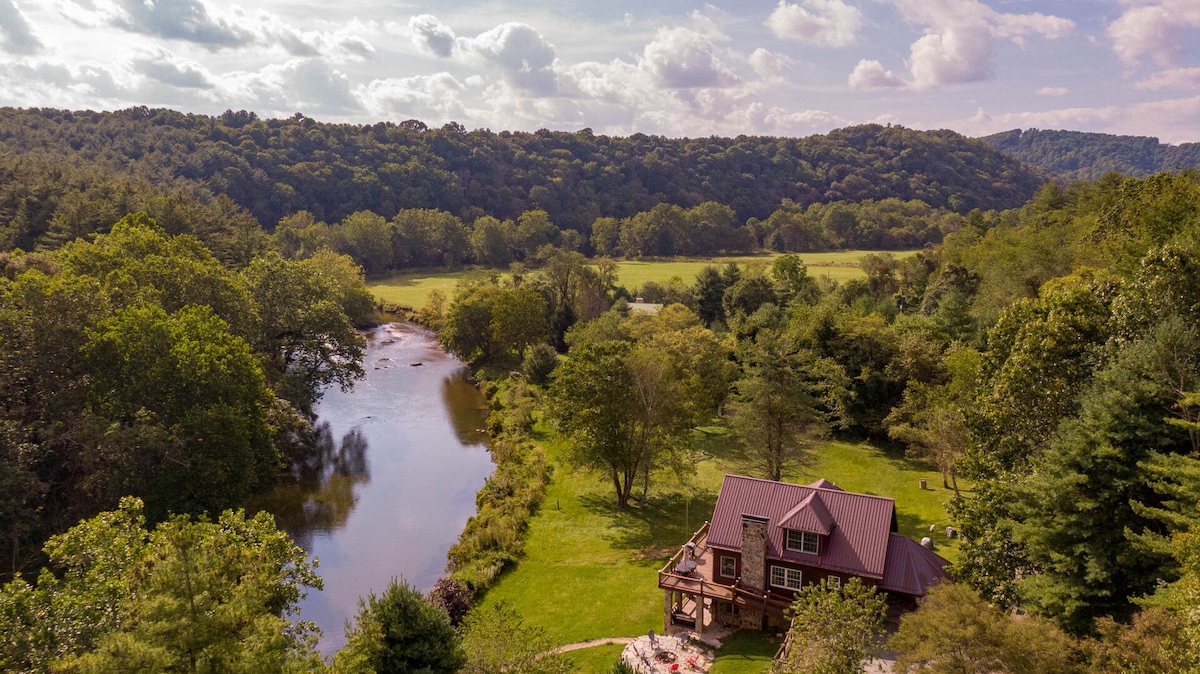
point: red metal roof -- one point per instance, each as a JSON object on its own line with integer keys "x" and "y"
{"x": 858, "y": 525}
{"x": 911, "y": 568}
{"x": 810, "y": 515}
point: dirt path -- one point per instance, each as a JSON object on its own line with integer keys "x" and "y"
{"x": 593, "y": 642}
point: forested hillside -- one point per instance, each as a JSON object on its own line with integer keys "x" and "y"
{"x": 1076, "y": 155}
{"x": 277, "y": 167}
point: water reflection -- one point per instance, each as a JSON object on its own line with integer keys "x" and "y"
{"x": 467, "y": 408}
{"x": 392, "y": 495}
{"x": 320, "y": 494}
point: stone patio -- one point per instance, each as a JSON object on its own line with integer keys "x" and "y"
{"x": 668, "y": 654}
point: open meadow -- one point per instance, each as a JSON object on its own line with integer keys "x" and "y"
{"x": 590, "y": 569}
{"x": 412, "y": 290}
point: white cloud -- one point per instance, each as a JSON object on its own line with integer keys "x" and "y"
{"x": 870, "y": 75}
{"x": 768, "y": 64}
{"x": 957, "y": 45}
{"x": 163, "y": 67}
{"x": 1156, "y": 28}
{"x": 1174, "y": 78}
{"x": 187, "y": 20}
{"x": 308, "y": 85}
{"x": 431, "y": 35}
{"x": 822, "y": 23}
{"x": 15, "y": 30}
{"x": 432, "y": 98}
{"x": 1053, "y": 91}
{"x": 522, "y": 54}
{"x": 681, "y": 58}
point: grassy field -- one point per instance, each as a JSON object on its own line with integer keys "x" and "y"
{"x": 413, "y": 290}
{"x": 590, "y": 568}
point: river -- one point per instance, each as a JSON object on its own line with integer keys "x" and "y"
{"x": 392, "y": 479}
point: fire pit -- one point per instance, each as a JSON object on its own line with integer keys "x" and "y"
{"x": 665, "y": 657}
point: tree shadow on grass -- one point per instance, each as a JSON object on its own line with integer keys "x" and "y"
{"x": 656, "y": 529}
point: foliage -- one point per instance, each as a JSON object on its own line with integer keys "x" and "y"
{"x": 540, "y": 361}
{"x": 1152, "y": 643}
{"x": 499, "y": 641}
{"x": 956, "y": 631}
{"x": 451, "y": 596}
{"x": 784, "y": 402}
{"x": 191, "y": 595}
{"x": 273, "y": 168}
{"x": 399, "y": 631}
{"x": 619, "y": 408}
{"x": 833, "y": 629}
{"x": 1078, "y": 155}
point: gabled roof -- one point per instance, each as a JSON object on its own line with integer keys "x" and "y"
{"x": 809, "y": 515}
{"x": 825, "y": 484}
{"x": 858, "y": 524}
{"x": 911, "y": 568}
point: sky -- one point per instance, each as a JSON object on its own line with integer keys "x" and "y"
{"x": 669, "y": 67}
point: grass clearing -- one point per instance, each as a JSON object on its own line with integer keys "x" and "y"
{"x": 412, "y": 290}
{"x": 590, "y": 568}
{"x": 597, "y": 659}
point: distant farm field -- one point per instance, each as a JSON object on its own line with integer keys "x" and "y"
{"x": 412, "y": 290}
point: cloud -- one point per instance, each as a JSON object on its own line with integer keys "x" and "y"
{"x": 957, "y": 45}
{"x": 768, "y": 64}
{"x": 681, "y": 58}
{"x": 1156, "y": 29}
{"x": 308, "y": 85}
{"x": 18, "y": 36}
{"x": 1175, "y": 78}
{"x": 522, "y": 54}
{"x": 341, "y": 46}
{"x": 432, "y": 36}
{"x": 1053, "y": 91}
{"x": 431, "y": 98}
{"x": 871, "y": 75}
{"x": 162, "y": 66}
{"x": 186, "y": 20}
{"x": 821, "y": 23}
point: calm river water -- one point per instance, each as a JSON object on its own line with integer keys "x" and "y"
{"x": 393, "y": 479}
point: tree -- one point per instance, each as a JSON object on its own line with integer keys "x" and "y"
{"x": 451, "y": 596}
{"x": 784, "y": 401}
{"x": 499, "y": 641}
{"x": 618, "y": 408}
{"x": 956, "y": 632}
{"x": 833, "y": 629}
{"x": 710, "y": 291}
{"x": 190, "y": 596}
{"x": 399, "y": 632}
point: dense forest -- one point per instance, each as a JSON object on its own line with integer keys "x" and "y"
{"x": 273, "y": 168}
{"x": 1076, "y": 155}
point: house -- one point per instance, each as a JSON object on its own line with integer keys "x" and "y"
{"x": 768, "y": 539}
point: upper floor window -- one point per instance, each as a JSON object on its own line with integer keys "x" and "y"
{"x": 728, "y": 567}
{"x": 803, "y": 541}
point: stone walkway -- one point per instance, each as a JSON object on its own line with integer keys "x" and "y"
{"x": 594, "y": 642}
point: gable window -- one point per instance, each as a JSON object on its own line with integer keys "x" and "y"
{"x": 728, "y": 567}
{"x": 781, "y": 576}
{"x": 833, "y": 582}
{"x": 802, "y": 541}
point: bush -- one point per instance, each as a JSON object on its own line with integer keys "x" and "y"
{"x": 451, "y": 596}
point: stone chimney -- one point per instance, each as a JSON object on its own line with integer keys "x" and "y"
{"x": 754, "y": 552}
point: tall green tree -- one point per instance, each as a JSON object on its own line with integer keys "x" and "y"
{"x": 398, "y": 631}
{"x": 833, "y": 629}
{"x": 499, "y": 641}
{"x": 786, "y": 399}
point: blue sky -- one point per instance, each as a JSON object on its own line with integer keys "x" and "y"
{"x": 673, "y": 68}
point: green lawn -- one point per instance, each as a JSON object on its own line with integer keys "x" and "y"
{"x": 597, "y": 659}
{"x": 412, "y": 290}
{"x": 590, "y": 568}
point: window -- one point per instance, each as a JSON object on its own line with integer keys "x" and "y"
{"x": 833, "y": 582}
{"x": 781, "y": 576}
{"x": 802, "y": 541}
{"x": 728, "y": 567}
